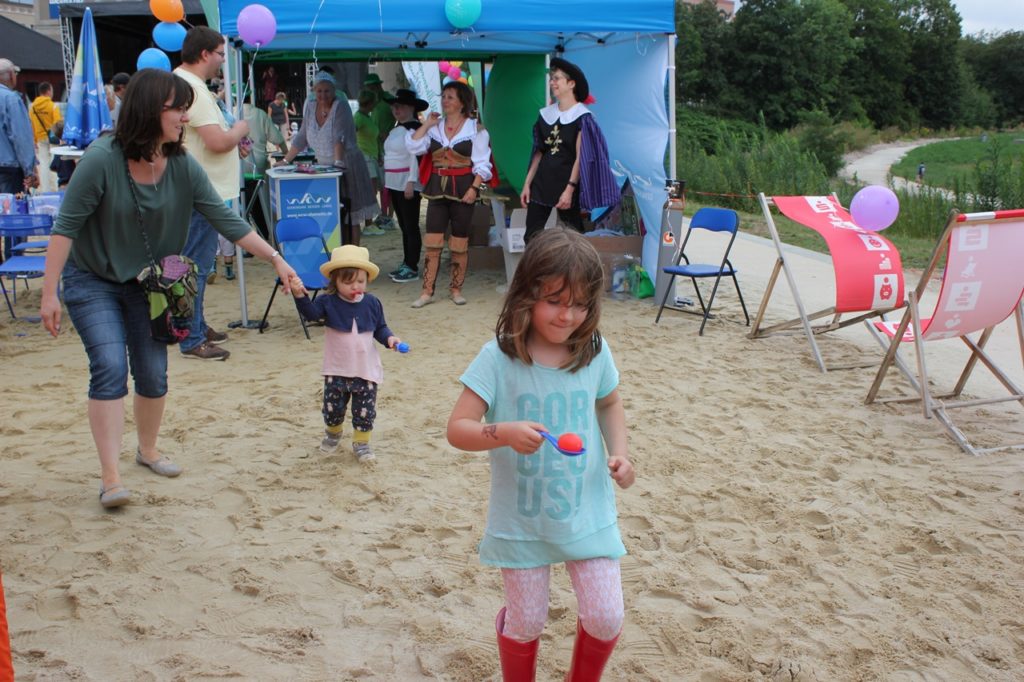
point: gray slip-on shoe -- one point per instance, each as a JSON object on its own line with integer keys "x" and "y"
{"x": 114, "y": 496}
{"x": 162, "y": 466}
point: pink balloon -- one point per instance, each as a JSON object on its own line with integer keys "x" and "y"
{"x": 444, "y": 65}
{"x": 455, "y": 73}
{"x": 874, "y": 208}
{"x": 257, "y": 25}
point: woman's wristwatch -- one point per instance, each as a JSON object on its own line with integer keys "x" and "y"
{"x": 574, "y": 184}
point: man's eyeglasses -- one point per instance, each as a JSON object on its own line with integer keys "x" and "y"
{"x": 220, "y": 52}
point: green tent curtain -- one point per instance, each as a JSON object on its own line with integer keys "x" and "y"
{"x": 515, "y": 91}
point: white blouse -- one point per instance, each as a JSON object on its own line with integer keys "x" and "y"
{"x": 481, "y": 155}
{"x": 397, "y": 157}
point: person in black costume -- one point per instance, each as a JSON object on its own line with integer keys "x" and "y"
{"x": 569, "y": 169}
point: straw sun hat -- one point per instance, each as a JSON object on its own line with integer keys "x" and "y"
{"x": 350, "y": 256}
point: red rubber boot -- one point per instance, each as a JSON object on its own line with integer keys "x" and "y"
{"x": 589, "y": 655}
{"x": 6, "y": 669}
{"x": 518, "y": 659}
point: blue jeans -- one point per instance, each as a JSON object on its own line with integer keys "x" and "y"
{"x": 112, "y": 320}
{"x": 201, "y": 247}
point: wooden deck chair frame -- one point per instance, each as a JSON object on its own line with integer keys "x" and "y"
{"x": 804, "y": 319}
{"x": 937, "y": 405}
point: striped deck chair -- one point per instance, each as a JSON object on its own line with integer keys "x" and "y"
{"x": 868, "y": 270}
{"x": 982, "y": 285}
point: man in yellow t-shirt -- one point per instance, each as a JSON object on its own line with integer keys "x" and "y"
{"x": 44, "y": 113}
{"x": 215, "y": 145}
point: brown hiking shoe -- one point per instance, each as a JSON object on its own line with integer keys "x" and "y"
{"x": 214, "y": 336}
{"x": 206, "y": 351}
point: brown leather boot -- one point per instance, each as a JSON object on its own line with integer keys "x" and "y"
{"x": 433, "y": 243}
{"x": 459, "y": 248}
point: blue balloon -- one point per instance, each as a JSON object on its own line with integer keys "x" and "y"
{"x": 462, "y": 13}
{"x": 152, "y": 58}
{"x": 169, "y": 35}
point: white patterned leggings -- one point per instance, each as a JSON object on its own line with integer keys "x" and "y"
{"x": 598, "y": 587}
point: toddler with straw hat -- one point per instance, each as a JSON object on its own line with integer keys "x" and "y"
{"x": 352, "y": 369}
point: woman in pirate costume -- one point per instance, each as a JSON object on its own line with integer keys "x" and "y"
{"x": 455, "y": 166}
{"x": 569, "y": 169}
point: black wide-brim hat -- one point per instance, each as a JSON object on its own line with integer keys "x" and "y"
{"x": 574, "y": 73}
{"x": 404, "y": 96}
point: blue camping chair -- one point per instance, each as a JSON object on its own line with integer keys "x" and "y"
{"x": 302, "y": 244}
{"x": 713, "y": 220}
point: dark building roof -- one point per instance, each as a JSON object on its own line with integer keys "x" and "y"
{"x": 122, "y": 8}
{"x": 29, "y": 50}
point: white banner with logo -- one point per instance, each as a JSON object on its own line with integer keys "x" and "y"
{"x": 425, "y": 79}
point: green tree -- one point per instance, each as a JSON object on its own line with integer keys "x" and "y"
{"x": 879, "y": 65}
{"x": 997, "y": 63}
{"x": 786, "y": 57}
{"x": 703, "y": 34}
{"x": 932, "y": 86}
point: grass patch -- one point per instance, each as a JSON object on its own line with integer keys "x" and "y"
{"x": 951, "y": 162}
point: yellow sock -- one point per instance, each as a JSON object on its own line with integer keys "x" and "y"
{"x": 361, "y": 436}
{"x": 335, "y": 430}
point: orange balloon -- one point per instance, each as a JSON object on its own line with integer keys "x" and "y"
{"x": 167, "y": 10}
{"x": 462, "y": 79}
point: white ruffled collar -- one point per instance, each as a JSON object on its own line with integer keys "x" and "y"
{"x": 468, "y": 131}
{"x": 552, "y": 113}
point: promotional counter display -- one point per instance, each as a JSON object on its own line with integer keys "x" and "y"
{"x": 316, "y": 195}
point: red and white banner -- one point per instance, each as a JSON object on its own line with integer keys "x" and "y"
{"x": 983, "y": 279}
{"x": 869, "y": 273}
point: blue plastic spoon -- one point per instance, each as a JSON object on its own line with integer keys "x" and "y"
{"x": 554, "y": 443}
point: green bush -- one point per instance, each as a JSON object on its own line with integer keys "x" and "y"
{"x": 731, "y": 166}
{"x": 818, "y": 135}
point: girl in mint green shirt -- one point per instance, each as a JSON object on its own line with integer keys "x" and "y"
{"x": 550, "y": 370}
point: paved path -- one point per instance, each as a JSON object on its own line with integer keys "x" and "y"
{"x": 871, "y": 165}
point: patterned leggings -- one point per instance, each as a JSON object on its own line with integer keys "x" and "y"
{"x": 363, "y": 393}
{"x": 598, "y": 587}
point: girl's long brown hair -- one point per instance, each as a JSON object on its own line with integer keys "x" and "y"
{"x": 554, "y": 255}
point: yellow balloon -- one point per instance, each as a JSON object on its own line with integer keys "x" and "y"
{"x": 455, "y": 63}
{"x": 167, "y": 10}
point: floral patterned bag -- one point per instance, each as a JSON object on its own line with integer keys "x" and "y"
{"x": 171, "y": 287}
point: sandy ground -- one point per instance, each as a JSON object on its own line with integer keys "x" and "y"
{"x": 779, "y": 528}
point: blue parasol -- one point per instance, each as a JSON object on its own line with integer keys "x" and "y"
{"x": 87, "y": 114}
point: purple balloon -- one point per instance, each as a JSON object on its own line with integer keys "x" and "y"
{"x": 257, "y": 25}
{"x": 874, "y": 208}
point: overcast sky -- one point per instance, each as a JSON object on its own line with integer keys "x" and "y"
{"x": 991, "y": 15}
{"x": 985, "y": 15}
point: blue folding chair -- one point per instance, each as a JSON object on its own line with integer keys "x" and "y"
{"x": 713, "y": 220}
{"x": 302, "y": 244}
{"x": 15, "y": 229}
